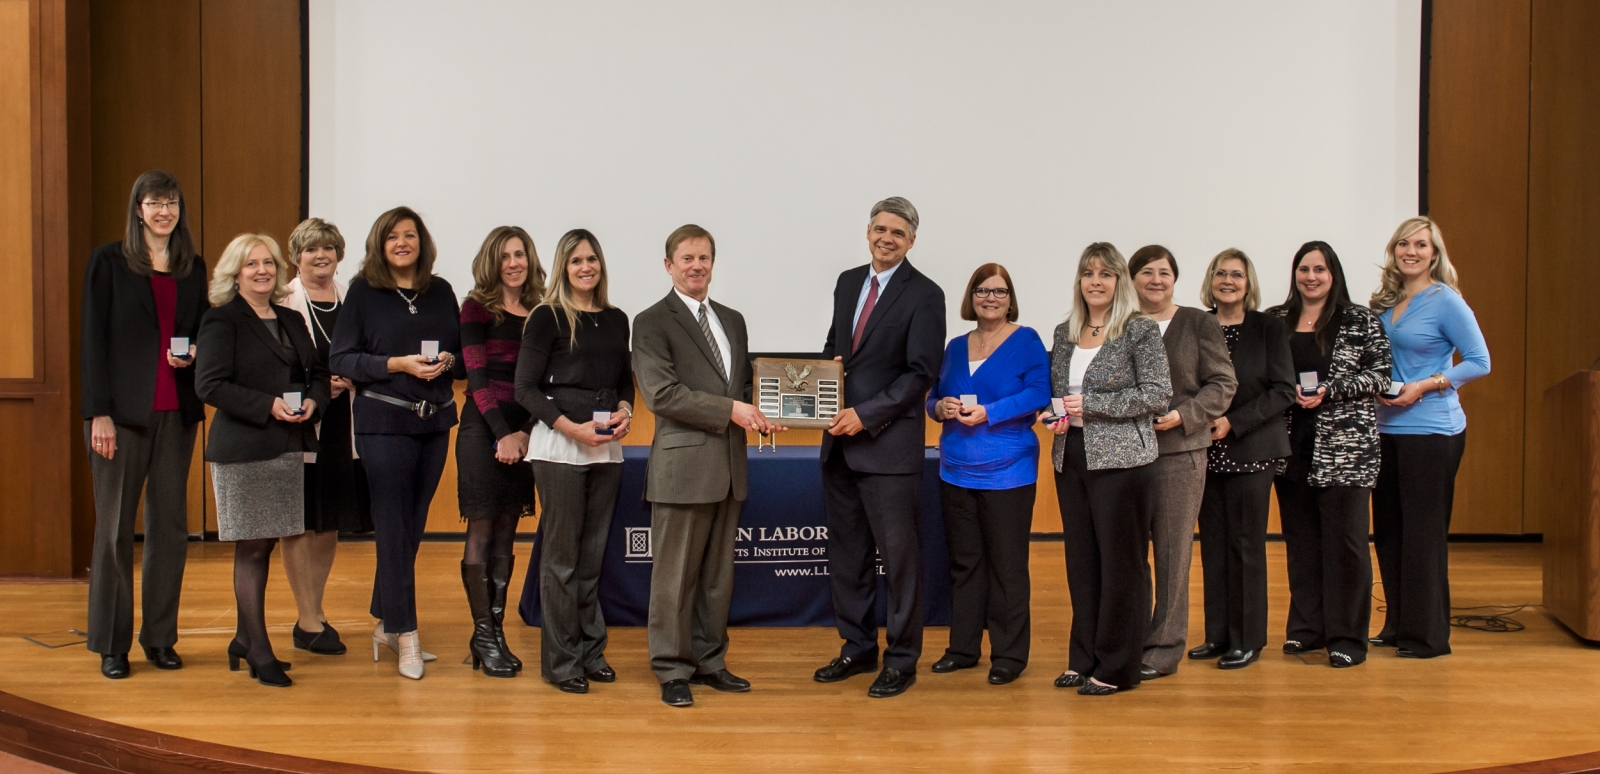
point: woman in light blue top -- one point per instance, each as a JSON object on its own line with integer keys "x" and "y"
{"x": 1422, "y": 433}
{"x": 992, "y": 382}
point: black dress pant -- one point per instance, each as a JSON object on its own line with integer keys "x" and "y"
{"x": 873, "y": 516}
{"x": 1330, "y": 565}
{"x": 402, "y": 474}
{"x": 579, "y": 502}
{"x": 1233, "y": 557}
{"x": 1105, "y": 519}
{"x": 1411, "y": 529}
{"x": 987, "y": 531}
{"x": 152, "y": 461}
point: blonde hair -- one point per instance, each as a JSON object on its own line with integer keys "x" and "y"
{"x": 224, "y": 285}
{"x": 1392, "y": 289}
{"x": 1124, "y": 301}
{"x": 558, "y": 294}
{"x": 1252, "y": 295}
{"x": 488, "y": 289}
{"x": 315, "y": 232}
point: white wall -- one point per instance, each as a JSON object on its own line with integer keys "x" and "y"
{"x": 1022, "y": 131}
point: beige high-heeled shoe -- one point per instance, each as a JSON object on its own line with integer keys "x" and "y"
{"x": 411, "y": 655}
{"x": 389, "y": 639}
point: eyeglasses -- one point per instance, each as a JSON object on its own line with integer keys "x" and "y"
{"x": 999, "y": 293}
{"x": 156, "y": 206}
{"x": 1236, "y": 276}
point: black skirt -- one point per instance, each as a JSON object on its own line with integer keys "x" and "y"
{"x": 487, "y": 488}
{"x": 336, "y": 486}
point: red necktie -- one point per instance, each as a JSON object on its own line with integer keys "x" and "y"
{"x": 866, "y": 312}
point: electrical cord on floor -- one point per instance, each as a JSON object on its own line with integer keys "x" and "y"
{"x": 1498, "y": 621}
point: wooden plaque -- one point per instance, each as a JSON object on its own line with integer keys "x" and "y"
{"x": 798, "y": 393}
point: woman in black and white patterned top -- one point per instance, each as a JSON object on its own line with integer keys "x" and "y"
{"x": 1325, "y": 486}
{"x": 1246, "y": 444}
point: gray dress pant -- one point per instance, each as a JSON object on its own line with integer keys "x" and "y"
{"x": 578, "y": 502}
{"x": 691, "y": 586}
{"x": 1180, "y": 485}
{"x": 153, "y": 461}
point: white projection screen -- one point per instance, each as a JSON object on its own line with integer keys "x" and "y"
{"x": 1022, "y": 131}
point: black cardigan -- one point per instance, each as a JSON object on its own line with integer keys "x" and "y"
{"x": 122, "y": 339}
{"x": 244, "y": 369}
{"x": 1265, "y": 370}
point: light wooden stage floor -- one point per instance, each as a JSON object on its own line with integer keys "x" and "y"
{"x": 1501, "y": 698}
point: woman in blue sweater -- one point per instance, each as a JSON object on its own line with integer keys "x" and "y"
{"x": 1423, "y": 433}
{"x": 992, "y": 382}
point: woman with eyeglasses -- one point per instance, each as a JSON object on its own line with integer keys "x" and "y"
{"x": 992, "y": 382}
{"x": 1342, "y": 362}
{"x": 143, "y": 298}
{"x": 1202, "y": 385}
{"x": 1246, "y": 443}
{"x": 396, "y": 341}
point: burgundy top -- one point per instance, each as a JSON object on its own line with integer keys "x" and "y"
{"x": 489, "y": 350}
{"x": 165, "y": 289}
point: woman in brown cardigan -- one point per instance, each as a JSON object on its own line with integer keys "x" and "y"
{"x": 1202, "y": 386}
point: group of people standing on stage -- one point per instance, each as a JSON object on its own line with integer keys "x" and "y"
{"x": 334, "y": 406}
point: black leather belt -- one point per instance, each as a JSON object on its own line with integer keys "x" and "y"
{"x": 422, "y": 408}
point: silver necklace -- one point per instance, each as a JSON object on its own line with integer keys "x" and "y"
{"x": 411, "y": 303}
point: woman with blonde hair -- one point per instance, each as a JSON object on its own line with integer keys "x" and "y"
{"x": 397, "y": 340}
{"x": 335, "y": 488}
{"x": 1108, "y": 368}
{"x": 1246, "y": 443}
{"x": 268, "y": 383}
{"x": 494, "y": 483}
{"x": 575, "y": 378}
{"x": 1422, "y": 432}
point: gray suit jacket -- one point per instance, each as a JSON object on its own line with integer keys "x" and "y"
{"x": 1202, "y": 378}
{"x": 1126, "y": 387}
{"x": 698, "y": 454}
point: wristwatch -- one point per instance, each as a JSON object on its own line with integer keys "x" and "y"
{"x": 1439, "y": 383}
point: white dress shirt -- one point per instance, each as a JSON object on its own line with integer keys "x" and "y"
{"x": 866, "y": 287}
{"x": 716, "y": 328}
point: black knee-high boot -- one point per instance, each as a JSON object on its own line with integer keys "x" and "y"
{"x": 499, "y": 580}
{"x": 485, "y": 645}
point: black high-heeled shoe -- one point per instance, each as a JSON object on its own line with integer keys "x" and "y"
{"x": 323, "y": 643}
{"x": 237, "y": 651}
{"x": 270, "y": 674}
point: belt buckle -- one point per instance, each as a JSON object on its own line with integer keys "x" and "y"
{"x": 424, "y": 409}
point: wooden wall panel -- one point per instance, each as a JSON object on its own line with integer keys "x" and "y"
{"x": 17, "y": 517}
{"x": 1563, "y": 207}
{"x": 17, "y": 212}
{"x": 250, "y": 119}
{"x": 1478, "y": 192}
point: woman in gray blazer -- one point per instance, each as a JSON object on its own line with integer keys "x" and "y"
{"x": 1202, "y": 385}
{"x": 1110, "y": 370}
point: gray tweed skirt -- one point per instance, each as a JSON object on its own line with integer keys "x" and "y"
{"x": 257, "y": 500}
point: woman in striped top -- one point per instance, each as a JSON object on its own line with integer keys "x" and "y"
{"x": 494, "y": 483}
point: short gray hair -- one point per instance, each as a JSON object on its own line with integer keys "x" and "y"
{"x": 896, "y": 205}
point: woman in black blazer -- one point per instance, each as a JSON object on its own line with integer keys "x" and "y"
{"x": 1246, "y": 443}
{"x": 268, "y": 383}
{"x": 140, "y": 414}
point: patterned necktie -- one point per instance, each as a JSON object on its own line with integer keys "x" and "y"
{"x": 866, "y": 311}
{"x": 716, "y": 352}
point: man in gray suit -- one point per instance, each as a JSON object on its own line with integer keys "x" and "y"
{"x": 691, "y": 359}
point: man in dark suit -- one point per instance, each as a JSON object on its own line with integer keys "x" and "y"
{"x": 691, "y": 357}
{"x": 888, "y": 329}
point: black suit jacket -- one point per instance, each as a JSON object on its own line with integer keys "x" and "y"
{"x": 243, "y": 370}
{"x": 1265, "y": 370}
{"x": 887, "y": 380}
{"x": 122, "y": 343}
